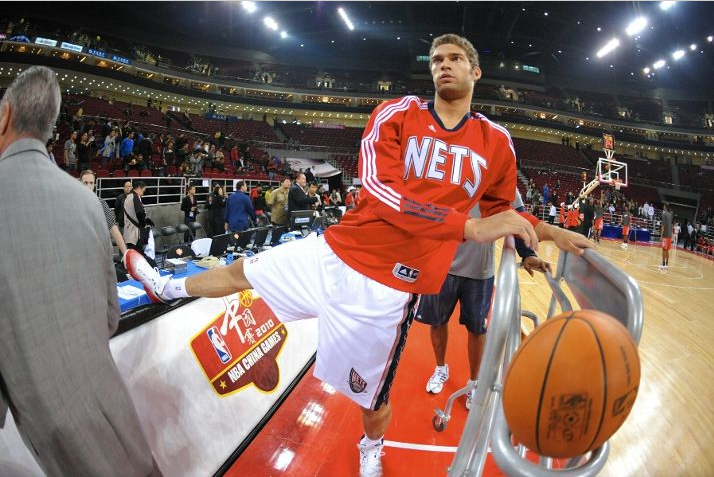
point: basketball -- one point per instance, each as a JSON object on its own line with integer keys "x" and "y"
{"x": 571, "y": 384}
{"x": 266, "y": 373}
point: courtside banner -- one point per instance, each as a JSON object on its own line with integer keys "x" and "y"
{"x": 203, "y": 375}
{"x": 240, "y": 346}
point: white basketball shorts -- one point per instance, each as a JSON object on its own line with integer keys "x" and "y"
{"x": 362, "y": 324}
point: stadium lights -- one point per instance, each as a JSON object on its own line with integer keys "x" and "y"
{"x": 658, "y": 64}
{"x": 270, "y": 23}
{"x": 678, "y": 54}
{"x": 646, "y": 70}
{"x": 611, "y": 45}
{"x": 636, "y": 26}
{"x": 249, "y": 6}
{"x": 345, "y": 18}
{"x": 666, "y": 5}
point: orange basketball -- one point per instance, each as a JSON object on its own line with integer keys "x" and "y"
{"x": 571, "y": 384}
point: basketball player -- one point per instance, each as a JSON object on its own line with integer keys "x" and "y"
{"x": 625, "y": 228}
{"x": 599, "y": 214}
{"x": 666, "y": 232}
{"x": 572, "y": 220}
{"x": 469, "y": 282}
{"x": 423, "y": 165}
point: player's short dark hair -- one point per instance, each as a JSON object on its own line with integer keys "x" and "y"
{"x": 139, "y": 185}
{"x": 461, "y": 42}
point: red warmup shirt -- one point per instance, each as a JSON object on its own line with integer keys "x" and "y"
{"x": 402, "y": 233}
{"x": 572, "y": 220}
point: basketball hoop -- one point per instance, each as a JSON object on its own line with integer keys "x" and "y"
{"x": 617, "y": 183}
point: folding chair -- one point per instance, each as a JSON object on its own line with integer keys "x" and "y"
{"x": 595, "y": 283}
{"x": 195, "y": 227}
{"x": 184, "y": 229}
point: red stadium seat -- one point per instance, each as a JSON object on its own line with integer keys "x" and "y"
{"x": 119, "y": 173}
{"x": 133, "y": 173}
{"x": 146, "y": 173}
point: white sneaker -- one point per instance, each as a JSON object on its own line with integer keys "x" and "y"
{"x": 437, "y": 380}
{"x": 140, "y": 270}
{"x": 370, "y": 459}
{"x": 470, "y": 397}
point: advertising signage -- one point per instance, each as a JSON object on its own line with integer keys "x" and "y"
{"x": 71, "y": 47}
{"x": 121, "y": 59}
{"x": 98, "y": 53}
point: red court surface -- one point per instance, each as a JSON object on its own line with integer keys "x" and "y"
{"x": 315, "y": 431}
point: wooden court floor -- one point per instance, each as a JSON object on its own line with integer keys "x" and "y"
{"x": 669, "y": 433}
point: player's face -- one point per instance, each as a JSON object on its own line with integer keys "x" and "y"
{"x": 453, "y": 75}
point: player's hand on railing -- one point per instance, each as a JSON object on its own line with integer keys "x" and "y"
{"x": 492, "y": 228}
{"x": 565, "y": 240}
{"x": 531, "y": 264}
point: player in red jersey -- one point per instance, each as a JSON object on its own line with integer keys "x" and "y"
{"x": 423, "y": 165}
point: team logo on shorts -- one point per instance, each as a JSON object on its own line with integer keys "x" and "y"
{"x": 357, "y": 384}
{"x": 405, "y": 273}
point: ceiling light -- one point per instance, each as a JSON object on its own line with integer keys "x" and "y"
{"x": 678, "y": 54}
{"x": 666, "y": 5}
{"x": 283, "y": 34}
{"x": 636, "y": 26}
{"x": 345, "y": 18}
{"x": 693, "y": 46}
{"x": 646, "y": 70}
{"x": 710, "y": 38}
{"x": 249, "y": 6}
{"x": 658, "y": 64}
{"x": 270, "y": 23}
{"x": 611, "y": 45}
{"x": 599, "y": 29}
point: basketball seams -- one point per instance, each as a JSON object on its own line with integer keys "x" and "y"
{"x": 545, "y": 381}
{"x": 604, "y": 372}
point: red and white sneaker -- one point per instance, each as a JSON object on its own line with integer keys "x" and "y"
{"x": 140, "y": 270}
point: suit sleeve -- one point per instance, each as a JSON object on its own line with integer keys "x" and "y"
{"x": 251, "y": 210}
{"x": 381, "y": 169}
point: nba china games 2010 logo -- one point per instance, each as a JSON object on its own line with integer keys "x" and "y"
{"x": 241, "y": 346}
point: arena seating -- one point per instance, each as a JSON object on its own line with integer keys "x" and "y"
{"x": 595, "y": 103}
{"x": 549, "y": 153}
{"x": 687, "y": 113}
{"x": 328, "y": 137}
{"x": 643, "y": 109}
{"x": 568, "y": 182}
{"x": 346, "y": 163}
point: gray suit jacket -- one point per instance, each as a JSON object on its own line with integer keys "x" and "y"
{"x": 58, "y": 308}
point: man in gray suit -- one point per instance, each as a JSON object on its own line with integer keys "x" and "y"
{"x": 58, "y": 303}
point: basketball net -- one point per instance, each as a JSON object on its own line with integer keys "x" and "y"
{"x": 609, "y": 154}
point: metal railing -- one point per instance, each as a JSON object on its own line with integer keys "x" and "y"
{"x": 595, "y": 283}
{"x": 169, "y": 190}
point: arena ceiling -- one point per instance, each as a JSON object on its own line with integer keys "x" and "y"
{"x": 558, "y": 37}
